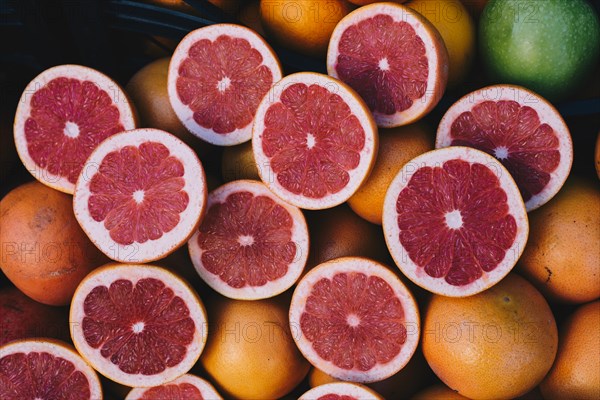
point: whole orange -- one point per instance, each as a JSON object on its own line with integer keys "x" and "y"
{"x": 237, "y": 162}
{"x": 438, "y": 392}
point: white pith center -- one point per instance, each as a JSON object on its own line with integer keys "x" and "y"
{"x": 353, "y": 320}
{"x": 310, "y": 141}
{"x": 138, "y": 327}
{"x": 71, "y": 129}
{"x": 224, "y": 84}
{"x": 245, "y": 240}
{"x": 454, "y": 219}
{"x": 501, "y": 153}
{"x": 384, "y": 65}
{"x": 138, "y": 196}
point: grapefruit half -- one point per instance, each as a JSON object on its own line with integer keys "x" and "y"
{"x": 314, "y": 140}
{"x": 521, "y": 129}
{"x": 45, "y": 369}
{"x": 251, "y": 244}
{"x": 63, "y": 114}
{"x": 186, "y": 387}
{"x": 394, "y": 58}
{"x": 354, "y": 319}
{"x": 340, "y": 391}
{"x": 138, "y": 325}
{"x": 140, "y": 195}
{"x": 454, "y": 221}
{"x": 217, "y": 77}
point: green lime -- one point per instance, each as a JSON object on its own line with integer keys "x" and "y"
{"x": 548, "y": 46}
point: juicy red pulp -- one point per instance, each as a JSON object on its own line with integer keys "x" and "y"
{"x": 90, "y": 113}
{"x": 143, "y": 328}
{"x": 385, "y": 62}
{"x": 223, "y": 81}
{"x": 41, "y": 376}
{"x": 475, "y": 242}
{"x": 530, "y": 148}
{"x": 337, "y": 397}
{"x": 182, "y": 391}
{"x": 354, "y": 321}
{"x": 313, "y": 140}
{"x": 148, "y": 172}
{"x": 247, "y": 240}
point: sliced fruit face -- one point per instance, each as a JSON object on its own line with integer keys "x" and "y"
{"x": 394, "y": 58}
{"x": 140, "y": 195}
{"x": 340, "y": 391}
{"x": 217, "y": 77}
{"x": 521, "y": 129}
{"x": 454, "y": 221}
{"x": 138, "y": 325}
{"x": 251, "y": 244}
{"x": 186, "y": 387}
{"x": 63, "y": 114}
{"x": 45, "y": 369}
{"x": 314, "y": 141}
{"x": 354, "y": 320}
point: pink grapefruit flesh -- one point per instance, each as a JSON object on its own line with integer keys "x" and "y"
{"x": 454, "y": 221}
{"x": 354, "y": 320}
{"x": 314, "y": 141}
{"x": 63, "y": 114}
{"x": 140, "y": 326}
{"x": 187, "y": 387}
{"x": 340, "y": 391}
{"x": 217, "y": 77}
{"x": 251, "y": 244}
{"x": 393, "y": 57}
{"x": 140, "y": 195}
{"x": 43, "y": 369}
{"x": 521, "y": 129}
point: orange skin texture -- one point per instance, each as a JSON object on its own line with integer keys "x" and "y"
{"x": 43, "y": 250}
{"x": 250, "y": 353}
{"x": 507, "y": 331}
{"x": 438, "y": 392}
{"x": 250, "y": 16}
{"x": 397, "y": 146}
{"x": 303, "y": 26}
{"x": 562, "y": 257}
{"x": 576, "y": 371}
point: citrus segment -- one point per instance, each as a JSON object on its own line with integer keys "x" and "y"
{"x": 340, "y": 391}
{"x": 251, "y": 244}
{"x": 521, "y": 130}
{"x": 137, "y": 325}
{"x": 217, "y": 77}
{"x": 454, "y": 221}
{"x": 186, "y": 387}
{"x": 356, "y": 320}
{"x": 64, "y": 113}
{"x": 394, "y": 58}
{"x": 315, "y": 141}
{"x": 43, "y": 369}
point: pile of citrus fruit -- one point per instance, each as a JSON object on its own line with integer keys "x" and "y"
{"x": 416, "y": 223}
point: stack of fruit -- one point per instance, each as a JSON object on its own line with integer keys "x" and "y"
{"x": 341, "y": 249}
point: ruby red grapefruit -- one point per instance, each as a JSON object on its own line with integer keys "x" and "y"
{"x": 521, "y": 129}
{"x": 138, "y": 325}
{"x": 141, "y": 195}
{"x": 217, "y": 77}
{"x": 186, "y": 387}
{"x": 454, "y": 221}
{"x": 251, "y": 244}
{"x": 314, "y": 140}
{"x": 394, "y": 58}
{"x": 354, "y": 319}
{"x": 45, "y": 369}
{"x": 340, "y": 391}
{"x": 63, "y": 114}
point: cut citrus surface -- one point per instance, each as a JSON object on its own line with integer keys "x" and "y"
{"x": 251, "y": 244}
{"x": 141, "y": 195}
{"x": 45, "y": 369}
{"x": 354, "y": 320}
{"x": 340, "y": 391}
{"x": 63, "y": 114}
{"x": 519, "y": 128}
{"x": 217, "y": 77}
{"x": 394, "y": 58}
{"x": 454, "y": 221}
{"x": 186, "y": 387}
{"x": 138, "y": 325}
{"x": 314, "y": 140}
